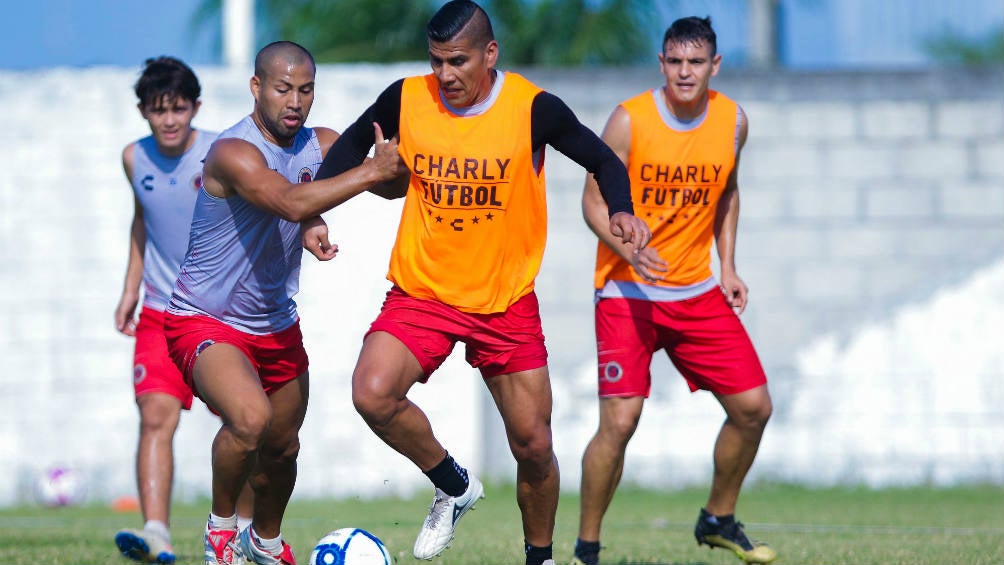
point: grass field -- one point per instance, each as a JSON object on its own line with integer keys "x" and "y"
{"x": 806, "y": 526}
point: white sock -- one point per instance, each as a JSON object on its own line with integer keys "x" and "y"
{"x": 222, "y": 523}
{"x": 242, "y": 522}
{"x": 272, "y": 545}
{"x": 159, "y": 528}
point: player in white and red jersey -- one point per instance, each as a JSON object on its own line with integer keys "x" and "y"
{"x": 232, "y": 325}
{"x": 164, "y": 170}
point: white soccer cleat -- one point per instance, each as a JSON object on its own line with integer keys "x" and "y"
{"x": 221, "y": 547}
{"x": 144, "y": 546}
{"x": 444, "y": 512}
{"x": 258, "y": 555}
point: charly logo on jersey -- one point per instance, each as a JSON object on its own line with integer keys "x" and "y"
{"x": 685, "y": 188}
{"x": 453, "y": 188}
{"x": 306, "y": 175}
{"x": 138, "y": 373}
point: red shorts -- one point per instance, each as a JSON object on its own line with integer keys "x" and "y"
{"x": 278, "y": 358}
{"x": 702, "y": 336}
{"x": 497, "y": 344}
{"x": 153, "y": 370}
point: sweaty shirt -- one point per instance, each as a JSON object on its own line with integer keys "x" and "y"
{"x": 166, "y": 188}
{"x": 243, "y": 263}
{"x": 678, "y": 173}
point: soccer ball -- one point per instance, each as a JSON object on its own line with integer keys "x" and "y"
{"x": 59, "y": 486}
{"x": 349, "y": 546}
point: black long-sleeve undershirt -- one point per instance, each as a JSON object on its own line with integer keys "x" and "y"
{"x": 552, "y": 123}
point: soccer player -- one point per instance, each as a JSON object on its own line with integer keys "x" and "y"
{"x": 165, "y": 172}
{"x": 468, "y": 249}
{"x": 232, "y": 324}
{"x": 681, "y": 146}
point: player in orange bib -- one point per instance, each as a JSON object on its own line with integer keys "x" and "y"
{"x": 681, "y": 145}
{"x": 468, "y": 249}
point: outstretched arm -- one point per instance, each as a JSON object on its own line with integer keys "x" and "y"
{"x": 355, "y": 142}
{"x": 554, "y": 123}
{"x": 234, "y": 166}
{"x": 352, "y": 150}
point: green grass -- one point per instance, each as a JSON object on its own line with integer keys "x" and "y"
{"x": 852, "y": 526}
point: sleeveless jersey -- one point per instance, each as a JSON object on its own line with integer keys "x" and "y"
{"x": 166, "y": 188}
{"x": 474, "y": 222}
{"x": 677, "y": 179}
{"x": 243, "y": 263}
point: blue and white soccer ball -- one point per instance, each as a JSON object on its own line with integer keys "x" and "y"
{"x": 350, "y": 546}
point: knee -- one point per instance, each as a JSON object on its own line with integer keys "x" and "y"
{"x": 755, "y": 416}
{"x": 158, "y": 418}
{"x": 376, "y": 405}
{"x": 249, "y": 426}
{"x": 618, "y": 427}
{"x": 763, "y": 412}
{"x": 534, "y": 447}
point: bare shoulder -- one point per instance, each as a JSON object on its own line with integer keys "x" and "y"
{"x": 620, "y": 120}
{"x": 326, "y": 137}
{"x": 230, "y": 160}
{"x": 617, "y": 132}
{"x": 230, "y": 150}
{"x": 128, "y": 159}
{"x": 743, "y": 123}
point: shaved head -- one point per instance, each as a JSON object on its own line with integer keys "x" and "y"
{"x": 286, "y": 53}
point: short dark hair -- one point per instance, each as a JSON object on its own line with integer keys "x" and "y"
{"x": 460, "y": 16}
{"x": 166, "y": 76}
{"x": 292, "y": 51}
{"x": 691, "y": 30}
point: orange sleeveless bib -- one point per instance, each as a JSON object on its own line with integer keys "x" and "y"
{"x": 474, "y": 223}
{"x": 677, "y": 178}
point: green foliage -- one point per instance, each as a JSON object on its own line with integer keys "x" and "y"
{"x": 951, "y": 47}
{"x": 355, "y": 30}
{"x": 530, "y": 32}
{"x": 833, "y": 526}
{"x": 573, "y": 32}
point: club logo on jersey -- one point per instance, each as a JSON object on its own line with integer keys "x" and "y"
{"x": 612, "y": 372}
{"x": 305, "y": 175}
{"x": 197, "y": 182}
{"x": 138, "y": 373}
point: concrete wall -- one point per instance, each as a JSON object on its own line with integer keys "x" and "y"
{"x": 871, "y": 236}
{"x": 867, "y": 200}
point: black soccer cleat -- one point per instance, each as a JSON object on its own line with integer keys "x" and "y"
{"x": 586, "y": 553}
{"x": 729, "y": 534}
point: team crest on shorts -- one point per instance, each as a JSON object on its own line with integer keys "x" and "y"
{"x": 612, "y": 372}
{"x": 202, "y": 346}
{"x": 305, "y": 175}
{"x": 138, "y": 373}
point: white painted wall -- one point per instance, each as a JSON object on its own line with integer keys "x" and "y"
{"x": 875, "y": 272}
